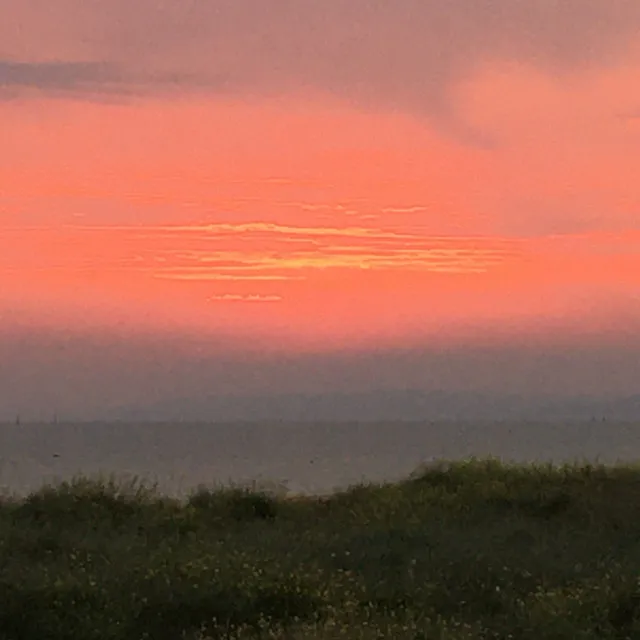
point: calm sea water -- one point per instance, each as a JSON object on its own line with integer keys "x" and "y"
{"x": 303, "y": 458}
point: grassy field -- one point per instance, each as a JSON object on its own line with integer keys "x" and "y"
{"x": 459, "y": 551}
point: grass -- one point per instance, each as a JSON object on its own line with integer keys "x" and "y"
{"x": 475, "y": 549}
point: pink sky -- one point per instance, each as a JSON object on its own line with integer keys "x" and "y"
{"x": 323, "y": 175}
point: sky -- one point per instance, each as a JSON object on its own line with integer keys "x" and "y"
{"x": 233, "y": 196}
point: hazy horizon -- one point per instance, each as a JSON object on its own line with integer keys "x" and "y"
{"x": 92, "y": 377}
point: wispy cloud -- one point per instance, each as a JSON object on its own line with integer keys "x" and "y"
{"x": 211, "y": 275}
{"x": 403, "y": 54}
{"x": 236, "y": 297}
{"x": 81, "y": 79}
{"x": 54, "y": 75}
{"x": 416, "y": 209}
{"x": 262, "y": 250}
{"x": 251, "y": 252}
{"x": 262, "y": 230}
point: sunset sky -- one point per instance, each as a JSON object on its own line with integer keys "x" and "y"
{"x": 296, "y": 187}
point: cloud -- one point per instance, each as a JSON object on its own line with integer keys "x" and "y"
{"x": 631, "y": 116}
{"x": 250, "y": 252}
{"x": 265, "y": 251}
{"x": 51, "y": 75}
{"x": 237, "y": 297}
{"x": 83, "y": 79}
{"x": 404, "y": 54}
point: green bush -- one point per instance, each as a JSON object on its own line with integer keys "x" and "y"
{"x": 469, "y": 550}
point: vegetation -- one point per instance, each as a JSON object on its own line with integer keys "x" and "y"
{"x": 459, "y": 551}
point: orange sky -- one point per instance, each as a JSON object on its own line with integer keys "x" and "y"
{"x": 308, "y": 218}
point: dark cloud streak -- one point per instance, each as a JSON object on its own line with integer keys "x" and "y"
{"x": 54, "y": 77}
{"x": 405, "y": 54}
{"x": 86, "y": 80}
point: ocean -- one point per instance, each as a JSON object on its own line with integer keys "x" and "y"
{"x": 295, "y": 458}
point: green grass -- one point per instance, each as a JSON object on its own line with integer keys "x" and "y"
{"x": 466, "y": 550}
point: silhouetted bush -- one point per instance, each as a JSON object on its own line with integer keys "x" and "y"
{"x": 469, "y": 550}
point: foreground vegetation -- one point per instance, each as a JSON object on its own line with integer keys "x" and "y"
{"x": 467, "y": 550}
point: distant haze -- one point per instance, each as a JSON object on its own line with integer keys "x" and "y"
{"x": 84, "y": 377}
